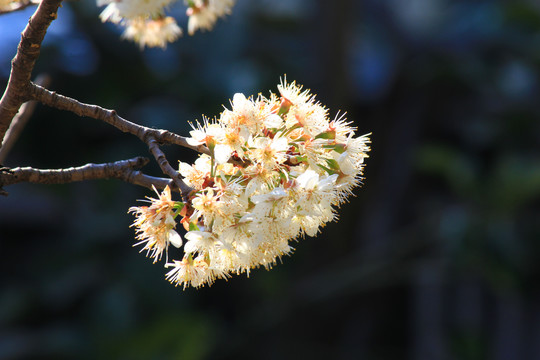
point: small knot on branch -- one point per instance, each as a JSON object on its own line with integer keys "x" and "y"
{"x": 138, "y": 162}
{"x": 6, "y": 170}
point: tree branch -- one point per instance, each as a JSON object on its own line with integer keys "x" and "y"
{"x": 167, "y": 168}
{"x": 19, "y": 121}
{"x": 126, "y": 170}
{"x": 20, "y": 89}
{"x": 152, "y": 137}
{"x": 16, "y": 92}
{"x": 52, "y": 99}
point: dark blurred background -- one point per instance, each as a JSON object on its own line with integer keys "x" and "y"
{"x": 435, "y": 258}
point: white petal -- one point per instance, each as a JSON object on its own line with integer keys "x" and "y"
{"x": 175, "y": 239}
{"x": 328, "y": 183}
{"x": 280, "y": 144}
{"x": 193, "y": 235}
{"x": 346, "y": 164}
{"x": 193, "y": 142}
{"x": 261, "y": 142}
{"x": 246, "y": 218}
{"x": 308, "y": 180}
{"x": 273, "y": 121}
{"x": 215, "y": 130}
{"x": 222, "y": 153}
{"x": 239, "y": 99}
{"x": 185, "y": 169}
{"x": 310, "y": 226}
{"x": 254, "y": 185}
{"x": 190, "y": 247}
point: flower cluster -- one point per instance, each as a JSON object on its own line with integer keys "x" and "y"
{"x": 146, "y": 23}
{"x": 155, "y": 224}
{"x": 7, "y": 5}
{"x": 277, "y": 169}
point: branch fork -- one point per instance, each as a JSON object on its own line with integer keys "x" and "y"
{"x": 20, "y": 90}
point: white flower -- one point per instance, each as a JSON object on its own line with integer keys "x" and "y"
{"x": 269, "y": 152}
{"x": 260, "y": 179}
{"x": 199, "y": 241}
{"x": 344, "y": 187}
{"x": 311, "y": 181}
{"x": 308, "y": 180}
{"x": 314, "y": 203}
{"x": 294, "y": 93}
{"x": 274, "y": 195}
{"x": 206, "y": 203}
{"x": 204, "y": 13}
{"x": 196, "y": 175}
{"x": 119, "y": 10}
{"x": 222, "y": 153}
{"x": 307, "y": 222}
{"x": 232, "y": 203}
{"x": 273, "y": 203}
{"x": 155, "y": 225}
{"x": 243, "y": 116}
{"x": 6, "y": 5}
{"x": 208, "y": 134}
{"x": 357, "y": 147}
{"x": 144, "y": 22}
{"x": 152, "y": 33}
{"x": 312, "y": 117}
{"x": 342, "y": 128}
{"x": 228, "y": 259}
{"x": 234, "y": 140}
{"x": 347, "y": 164}
{"x": 272, "y": 243}
{"x": 189, "y": 272}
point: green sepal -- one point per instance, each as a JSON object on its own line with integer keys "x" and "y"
{"x": 328, "y": 170}
{"x": 211, "y": 145}
{"x": 329, "y": 135}
{"x": 333, "y": 164}
{"x": 284, "y": 107}
{"x": 193, "y": 227}
{"x": 340, "y": 148}
{"x": 332, "y": 168}
{"x": 291, "y": 129}
{"x": 178, "y": 206}
{"x": 300, "y": 159}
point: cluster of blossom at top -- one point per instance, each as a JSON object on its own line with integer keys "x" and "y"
{"x": 8, "y": 5}
{"x": 147, "y": 25}
{"x": 277, "y": 168}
